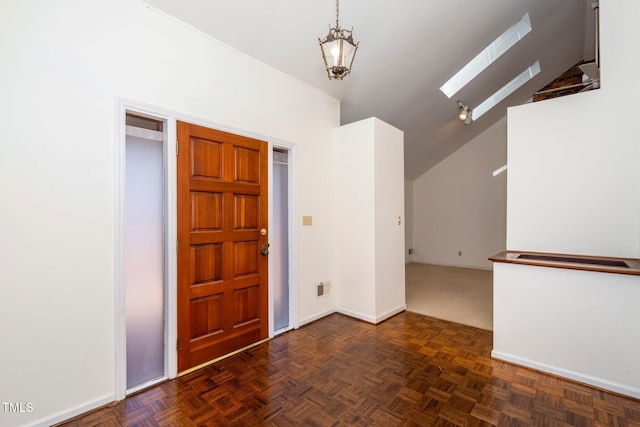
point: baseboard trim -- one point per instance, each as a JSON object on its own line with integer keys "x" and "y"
{"x": 356, "y": 315}
{"x": 442, "y": 264}
{"x": 371, "y": 319}
{"x": 78, "y": 410}
{"x": 571, "y": 375}
{"x": 316, "y": 317}
{"x": 391, "y": 313}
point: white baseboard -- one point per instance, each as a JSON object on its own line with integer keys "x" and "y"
{"x": 445, "y": 264}
{"x": 356, "y": 315}
{"x": 78, "y": 410}
{"x": 371, "y": 319}
{"x": 391, "y": 313}
{"x": 575, "y": 376}
{"x": 316, "y": 317}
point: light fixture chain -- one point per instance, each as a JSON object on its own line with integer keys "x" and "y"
{"x": 337, "y": 13}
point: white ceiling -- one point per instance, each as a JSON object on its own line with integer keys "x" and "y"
{"x": 408, "y": 49}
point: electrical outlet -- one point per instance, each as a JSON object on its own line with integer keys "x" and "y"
{"x": 459, "y": 253}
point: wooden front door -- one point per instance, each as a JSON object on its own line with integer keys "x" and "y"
{"x": 222, "y": 223}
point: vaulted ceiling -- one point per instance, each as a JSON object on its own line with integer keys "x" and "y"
{"x": 408, "y": 49}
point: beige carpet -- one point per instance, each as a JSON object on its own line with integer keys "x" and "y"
{"x": 461, "y": 295}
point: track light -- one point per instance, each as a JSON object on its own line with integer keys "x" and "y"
{"x": 465, "y": 114}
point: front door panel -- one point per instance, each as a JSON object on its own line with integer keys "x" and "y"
{"x": 222, "y": 274}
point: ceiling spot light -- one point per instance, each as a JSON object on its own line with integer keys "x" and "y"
{"x": 466, "y": 113}
{"x": 338, "y": 49}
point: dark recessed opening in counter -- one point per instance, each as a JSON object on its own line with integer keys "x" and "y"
{"x": 592, "y": 261}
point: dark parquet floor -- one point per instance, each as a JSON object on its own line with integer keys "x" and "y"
{"x": 411, "y": 370}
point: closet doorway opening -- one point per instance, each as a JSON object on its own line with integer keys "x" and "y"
{"x": 280, "y": 241}
{"x": 145, "y": 243}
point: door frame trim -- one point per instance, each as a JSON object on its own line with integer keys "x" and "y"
{"x": 122, "y": 105}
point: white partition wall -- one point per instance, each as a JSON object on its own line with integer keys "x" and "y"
{"x": 369, "y": 216}
{"x": 389, "y": 220}
{"x": 576, "y": 324}
{"x": 574, "y": 188}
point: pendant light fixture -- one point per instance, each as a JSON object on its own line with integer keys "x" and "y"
{"x": 338, "y": 49}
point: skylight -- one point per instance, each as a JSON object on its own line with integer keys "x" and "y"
{"x": 499, "y": 170}
{"x": 506, "y": 90}
{"x": 485, "y": 58}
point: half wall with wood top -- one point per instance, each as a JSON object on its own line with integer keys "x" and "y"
{"x": 572, "y": 188}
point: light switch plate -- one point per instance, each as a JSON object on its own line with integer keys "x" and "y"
{"x": 307, "y": 220}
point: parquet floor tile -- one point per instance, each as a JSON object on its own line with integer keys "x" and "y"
{"x": 411, "y": 370}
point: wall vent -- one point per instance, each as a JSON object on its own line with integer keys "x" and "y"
{"x": 322, "y": 289}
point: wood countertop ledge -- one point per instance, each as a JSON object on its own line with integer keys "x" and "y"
{"x": 630, "y": 266}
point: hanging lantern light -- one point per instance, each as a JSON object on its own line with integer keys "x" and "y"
{"x": 338, "y": 49}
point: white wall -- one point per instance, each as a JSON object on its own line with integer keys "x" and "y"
{"x": 458, "y": 205}
{"x": 408, "y": 220}
{"x": 389, "y": 232}
{"x": 369, "y": 198}
{"x": 354, "y": 201}
{"x": 574, "y": 187}
{"x": 63, "y": 64}
{"x": 573, "y": 175}
{"x": 571, "y": 323}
